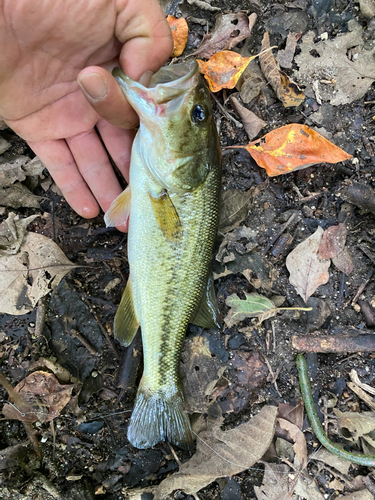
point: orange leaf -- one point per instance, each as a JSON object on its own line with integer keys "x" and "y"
{"x": 224, "y": 69}
{"x": 293, "y": 147}
{"x": 180, "y": 33}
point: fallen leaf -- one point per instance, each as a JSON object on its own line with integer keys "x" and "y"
{"x": 293, "y": 414}
{"x": 275, "y": 484}
{"x": 251, "y": 369}
{"x": 229, "y": 30}
{"x": 18, "y": 196}
{"x": 199, "y": 372}
{"x": 285, "y": 57}
{"x": 307, "y": 488}
{"x": 344, "y": 261}
{"x": 325, "y": 456}
{"x": 254, "y": 306}
{"x": 223, "y": 453}
{"x": 359, "y": 495}
{"x": 251, "y": 122}
{"x": 367, "y": 8}
{"x": 293, "y": 147}
{"x": 299, "y": 447}
{"x": 231, "y": 241}
{"x": 234, "y": 208}
{"x": 180, "y": 32}
{"x": 38, "y": 267}
{"x": 333, "y": 241}
{"x": 47, "y": 396}
{"x": 350, "y": 72}
{"x": 285, "y": 89}
{"x": 4, "y": 146}
{"x": 12, "y": 233}
{"x": 307, "y": 272}
{"x": 223, "y": 69}
{"x": 355, "y": 425}
{"x": 18, "y": 169}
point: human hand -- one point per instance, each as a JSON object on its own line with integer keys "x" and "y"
{"x": 45, "y": 46}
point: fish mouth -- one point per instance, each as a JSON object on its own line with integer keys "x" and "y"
{"x": 166, "y": 85}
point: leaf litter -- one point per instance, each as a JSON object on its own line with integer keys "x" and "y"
{"x": 250, "y": 239}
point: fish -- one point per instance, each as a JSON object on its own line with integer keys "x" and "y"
{"x": 172, "y": 203}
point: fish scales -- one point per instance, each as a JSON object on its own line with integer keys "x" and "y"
{"x": 172, "y": 230}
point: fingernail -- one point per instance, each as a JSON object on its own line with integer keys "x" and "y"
{"x": 94, "y": 86}
{"x": 145, "y": 78}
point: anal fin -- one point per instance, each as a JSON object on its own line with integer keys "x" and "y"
{"x": 119, "y": 211}
{"x": 208, "y": 315}
{"x": 166, "y": 215}
{"x": 126, "y": 322}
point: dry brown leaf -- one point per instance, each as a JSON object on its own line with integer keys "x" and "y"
{"x": 307, "y": 272}
{"x": 285, "y": 57}
{"x": 229, "y": 30}
{"x": 180, "y": 33}
{"x": 12, "y": 233}
{"x": 344, "y": 261}
{"x": 299, "y": 447}
{"x": 18, "y": 196}
{"x": 18, "y": 169}
{"x": 275, "y": 484}
{"x": 47, "y": 396}
{"x": 285, "y": 89}
{"x": 200, "y": 372}
{"x": 223, "y": 69}
{"x": 251, "y": 122}
{"x": 347, "y": 59}
{"x": 234, "y": 208}
{"x": 38, "y": 267}
{"x": 293, "y": 414}
{"x": 333, "y": 241}
{"x": 223, "y": 453}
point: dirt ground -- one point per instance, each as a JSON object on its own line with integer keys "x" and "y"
{"x": 83, "y": 452}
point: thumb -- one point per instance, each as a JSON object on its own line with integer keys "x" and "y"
{"x": 143, "y": 29}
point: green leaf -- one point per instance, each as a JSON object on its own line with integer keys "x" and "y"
{"x": 254, "y": 306}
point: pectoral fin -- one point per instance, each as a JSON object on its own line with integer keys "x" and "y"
{"x": 119, "y": 211}
{"x": 126, "y": 322}
{"x": 166, "y": 215}
{"x": 208, "y": 315}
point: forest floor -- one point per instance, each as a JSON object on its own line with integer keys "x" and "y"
{"x": 81, "y": 452}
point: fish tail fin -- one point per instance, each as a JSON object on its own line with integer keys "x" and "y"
{"x": 159, "y": 417}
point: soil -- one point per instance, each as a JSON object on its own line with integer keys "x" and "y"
{"x": 85, "y": 452}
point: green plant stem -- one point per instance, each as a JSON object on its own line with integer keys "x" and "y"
{"x": 317, "y": 427}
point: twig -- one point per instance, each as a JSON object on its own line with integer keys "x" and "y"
{"x": 175, "y": 455}
{"x": 104, "y": 331}
{"x": 225, "y": 112}
{"x": 75, "y": 334}
{"x": 280, "y": 232}
{"x": 274, "y": 376}
{"x": 361, "y": 288}
{"x": 40, "y": 316}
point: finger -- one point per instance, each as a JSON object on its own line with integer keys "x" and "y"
{"x": 118, "y": 142}
{"x": 142, "y": 28}
{"x": 60, "y": 163}
{"x": 106, "y": 97}
{"x": 95, "y": 167}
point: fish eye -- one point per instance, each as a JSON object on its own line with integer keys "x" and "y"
{"x": 198, "y": 114}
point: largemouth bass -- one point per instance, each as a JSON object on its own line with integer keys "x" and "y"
{"x": 172, "y": 203}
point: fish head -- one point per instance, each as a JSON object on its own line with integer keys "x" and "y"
{"x": 180, "y": 142}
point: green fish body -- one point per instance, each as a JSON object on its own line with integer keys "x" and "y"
{"x": 173, "y": 195}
